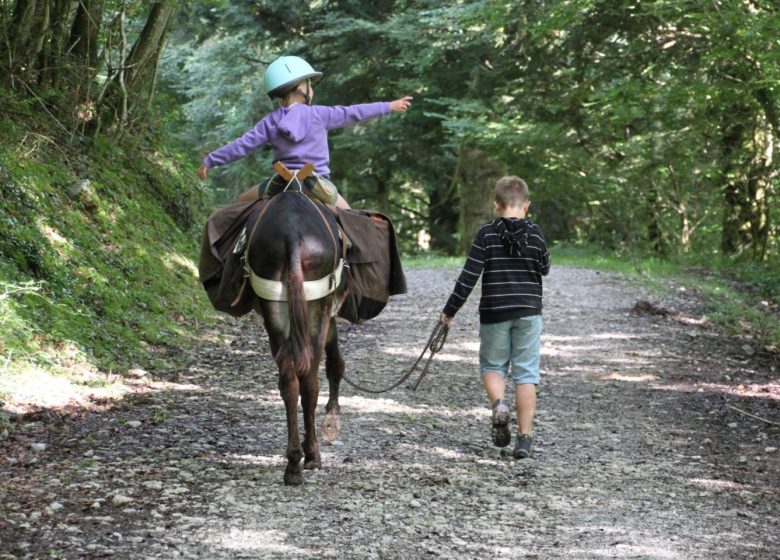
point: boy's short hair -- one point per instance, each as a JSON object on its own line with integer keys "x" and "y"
{"x": 511, "y": 191}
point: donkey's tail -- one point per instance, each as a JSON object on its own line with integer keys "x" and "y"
{"x": 296, "y": 352}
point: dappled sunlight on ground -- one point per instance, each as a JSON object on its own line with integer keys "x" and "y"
{"x": 264, "y": 460}
{"x": 367, "y": 405}
{"x": 449, "y": 357}
{"x": 769, "y": 390}
{"x": 414, "y": 353}
{"x": 590, "y": 369}
{"x": 34, "y": 388}
{"x": 720, "y": 485}
{"x": 265, "y": 398}
{"x": 629, "y": 377}
{"x": 567, "y": 339}
{"x": 172, "y": 386}
{"x": 650, "y": 552}
{"x": 469, "y": 347}
{"x": 617, "y": 336}
{"x": 261, "y": 542}
{"x": 575, "y": 350}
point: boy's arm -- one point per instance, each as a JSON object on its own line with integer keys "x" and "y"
{"x": 471, "y": 272}
{"x": 544, "y": 255}
{"x": 240, "y": 147}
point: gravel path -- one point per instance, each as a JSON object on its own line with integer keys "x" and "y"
{"x": 643, "y": 447}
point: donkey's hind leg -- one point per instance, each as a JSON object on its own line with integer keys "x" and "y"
{"x": 289, "y": 388}
{"x": 334, "y": 367}
{"x": 310, "y": 388}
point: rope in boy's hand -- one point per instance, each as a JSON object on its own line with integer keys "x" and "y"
{"x": 434, "y": 344}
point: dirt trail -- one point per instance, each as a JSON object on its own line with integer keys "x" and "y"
{"x": 641, "y": 451}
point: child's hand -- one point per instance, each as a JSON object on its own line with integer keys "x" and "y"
{"x": 203, "y": 171}
{"x": 445, "y": 320}
{"x": 400, "y": 105}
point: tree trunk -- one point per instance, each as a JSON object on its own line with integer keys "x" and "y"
{"x": 654, "y": 228}
{"x": 83, "y": 42}
{"x": 383, "y": 194}
{"x": 746, "y": 180}
{"x": 476, "y": 179}
{"x": 145, "y": 52}
{"x": 53, "y": 59}
{"x": 24, "y": 35}
{"x": 443, "y": 219}
{"x": 131, "y": 83}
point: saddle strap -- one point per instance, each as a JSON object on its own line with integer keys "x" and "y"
{"x": 247, "y": 270}
{"x": 273, "y": 290}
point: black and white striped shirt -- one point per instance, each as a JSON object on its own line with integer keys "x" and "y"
{"x": 511, "y": 285}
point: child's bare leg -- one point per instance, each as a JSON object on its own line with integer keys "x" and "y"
{"x": 494, "y": 385}
{"x": 525, "y": 402}
{"x": 249, "y": 195}
{"x": 341, "y": 203}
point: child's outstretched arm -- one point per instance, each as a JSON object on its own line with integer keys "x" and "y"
{"x": 238, "y": 148}
{"x": 344, "y": 115}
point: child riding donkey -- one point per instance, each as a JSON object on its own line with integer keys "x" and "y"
{"x": 297, "y": 130}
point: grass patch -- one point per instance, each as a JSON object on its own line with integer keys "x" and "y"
{"x": 590, "y": 257}
{"x": 431, "y": 261}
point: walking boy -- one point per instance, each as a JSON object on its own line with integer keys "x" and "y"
{"x": 511, "y": 255}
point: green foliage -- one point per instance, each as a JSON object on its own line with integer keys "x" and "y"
{"x": 642, "y": 128}
{"x": 96, "y": 256}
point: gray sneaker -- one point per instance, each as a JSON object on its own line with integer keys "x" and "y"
{"x": 499, "y": 433}
{"x": 523, "y": 445}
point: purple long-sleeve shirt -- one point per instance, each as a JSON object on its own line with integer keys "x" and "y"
{"x": 298, "y": 134}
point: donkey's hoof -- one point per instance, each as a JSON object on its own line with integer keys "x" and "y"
{"x": 331, "y": 426}
{"x": 293, "y": 477}
{"x": 312, "y": 463}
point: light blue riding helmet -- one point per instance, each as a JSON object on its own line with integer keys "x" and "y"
{"x": 285, "y": 72}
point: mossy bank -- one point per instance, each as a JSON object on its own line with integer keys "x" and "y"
{"x": 97, "y": 256}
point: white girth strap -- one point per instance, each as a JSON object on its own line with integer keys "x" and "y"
{"x": 273, "y": 290}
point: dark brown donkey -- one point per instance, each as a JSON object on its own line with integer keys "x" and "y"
{"x": 295, "y": 241}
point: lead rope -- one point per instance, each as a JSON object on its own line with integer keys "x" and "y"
{"x": 434, "y": 344}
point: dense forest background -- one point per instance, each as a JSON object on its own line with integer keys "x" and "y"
{"x": 648, "y": 125}
{"x": 641, "y": 127}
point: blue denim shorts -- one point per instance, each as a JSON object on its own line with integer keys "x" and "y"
{"x": 514, "y": 342}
